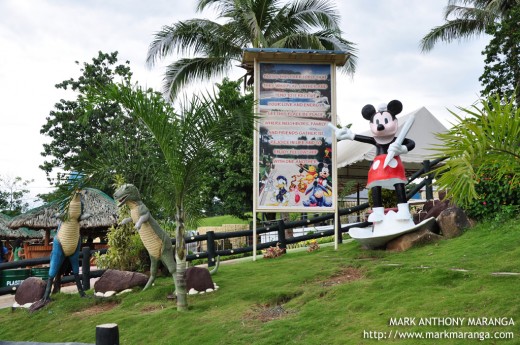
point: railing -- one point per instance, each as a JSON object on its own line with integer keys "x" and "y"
{"x": 85, "y": 275}
{"x": 210, "y": 237}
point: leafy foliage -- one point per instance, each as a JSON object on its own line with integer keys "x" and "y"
{"x": 126, "y": 251}
{"x": 502, "y": 70}
{"x": 213, "y": 47}
{"x": 108, "y": 140}
{"x": 484, "y": 156}
{"x": 186, "y": 141}
{"x": 230, "y": 172}
{"x": 497, "y": 199}
{"x": 388, "y": 197}
{"x": 12, "y": 194}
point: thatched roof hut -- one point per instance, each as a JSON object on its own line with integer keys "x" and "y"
{"x": 101, "y": 207}
{"x": 8, "y": 233}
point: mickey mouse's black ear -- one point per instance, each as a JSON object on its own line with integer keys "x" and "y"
{"x": 394, "y": 107}
{"x": 368, "y": 111}
{"x": 327, "y": 162}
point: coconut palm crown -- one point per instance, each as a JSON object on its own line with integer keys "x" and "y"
{"x": 213, "y": 47}
{"x": 465, "y": 19}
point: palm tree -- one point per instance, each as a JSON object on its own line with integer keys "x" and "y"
{"x": 214, "y": 47}
{"x": 186, "y": 141}
{"x": 469, "y": 18}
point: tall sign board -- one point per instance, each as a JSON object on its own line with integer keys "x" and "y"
{"x": 294, "y": 149}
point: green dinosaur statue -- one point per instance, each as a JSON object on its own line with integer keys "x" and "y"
{"x": 155, "y": 239}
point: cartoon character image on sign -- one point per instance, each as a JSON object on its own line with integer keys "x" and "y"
{"x": 387, "y": 170}
{"x": 319, "y": 190}
{"x": 281, "y": 195}
{"x": 324, "y": 178}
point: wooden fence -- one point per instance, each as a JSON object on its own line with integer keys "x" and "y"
{"x": 211, "y": 237}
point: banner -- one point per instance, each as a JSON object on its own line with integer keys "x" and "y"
{"x": 295, "y": 143}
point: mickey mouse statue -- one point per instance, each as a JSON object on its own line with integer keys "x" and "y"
{"x": 387, "y": 170}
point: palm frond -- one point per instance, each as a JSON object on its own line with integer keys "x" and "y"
{"x": 186, "y": 70}
{"x": 188, "y": 37}
{"x": 465, "y": 19}
{"x": 256, "y": 23}
{"x": 482, "y": 137}
{"x": 452, "y": 30}
{"x": 311, "y": 14}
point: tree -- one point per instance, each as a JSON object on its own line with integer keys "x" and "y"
{"x": 109, "y": 139}
{"x": 186, "y": 141}
{"x": 230, "y": 171}
{"x": 213, "y": 47}
{"x": 12, "y": 193}
{"x": 502, "y": 70}
{"x": 467, "y": 18}
{"x": 484, "y": 151}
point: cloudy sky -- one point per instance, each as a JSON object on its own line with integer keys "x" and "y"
{"x": 40, "y": 41}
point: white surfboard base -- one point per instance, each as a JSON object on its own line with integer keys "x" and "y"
{"x": 379, "y": 234}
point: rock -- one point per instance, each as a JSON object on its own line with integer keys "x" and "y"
{"x": 192, "y": 292}
{"x": 452, "y": 222}
{"x": 413, "y": 239}
{"x": 436, "y": 208}
{"x": 30, "y": 290}
{"x": 114, "y": 280}
{"x": 198, "y": 278}
{"x": 419, "y": 217}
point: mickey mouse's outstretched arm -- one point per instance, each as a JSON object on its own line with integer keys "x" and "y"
{"x": 342, "y": 133}
{"x": 346, "y": 133}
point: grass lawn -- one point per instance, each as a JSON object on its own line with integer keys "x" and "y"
{"x": 324, "y": 297}
{"x": 219, "y": 220}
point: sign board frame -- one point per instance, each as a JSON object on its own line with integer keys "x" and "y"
{"x": 295, "y": 99}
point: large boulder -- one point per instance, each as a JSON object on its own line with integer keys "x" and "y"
{"x": 452, "y": 222}
{"x": 30, "y": 291}
{"x": 413, "y": 239}
{"x": 199, "y": 279}
{"x": 115, "y": 280}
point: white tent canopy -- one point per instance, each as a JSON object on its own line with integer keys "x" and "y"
{"x": 422, "y": 132}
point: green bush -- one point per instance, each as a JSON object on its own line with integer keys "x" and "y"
{"x": 388, "y": 197}
{"x": 483, "y": 166}
{"x": 126, "y": 251}
{"x": 498, "y": 195}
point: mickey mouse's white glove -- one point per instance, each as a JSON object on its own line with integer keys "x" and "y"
{"x": 397, "y": 149}
{"x": 342, "y": 133}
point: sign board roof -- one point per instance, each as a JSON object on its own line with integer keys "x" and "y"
{"x": 337, "y": 57}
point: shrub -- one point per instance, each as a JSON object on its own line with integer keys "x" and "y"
{"x": 388, "y": 197}
{"x": 274, "y": 252}
{"x": 312, "y": 245}
{"x": 125, "y": 252}
{"x": 482, "y": 172}
{"x": 497, "y": 197}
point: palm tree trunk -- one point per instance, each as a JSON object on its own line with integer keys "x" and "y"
{"x": 180, "y": 258}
